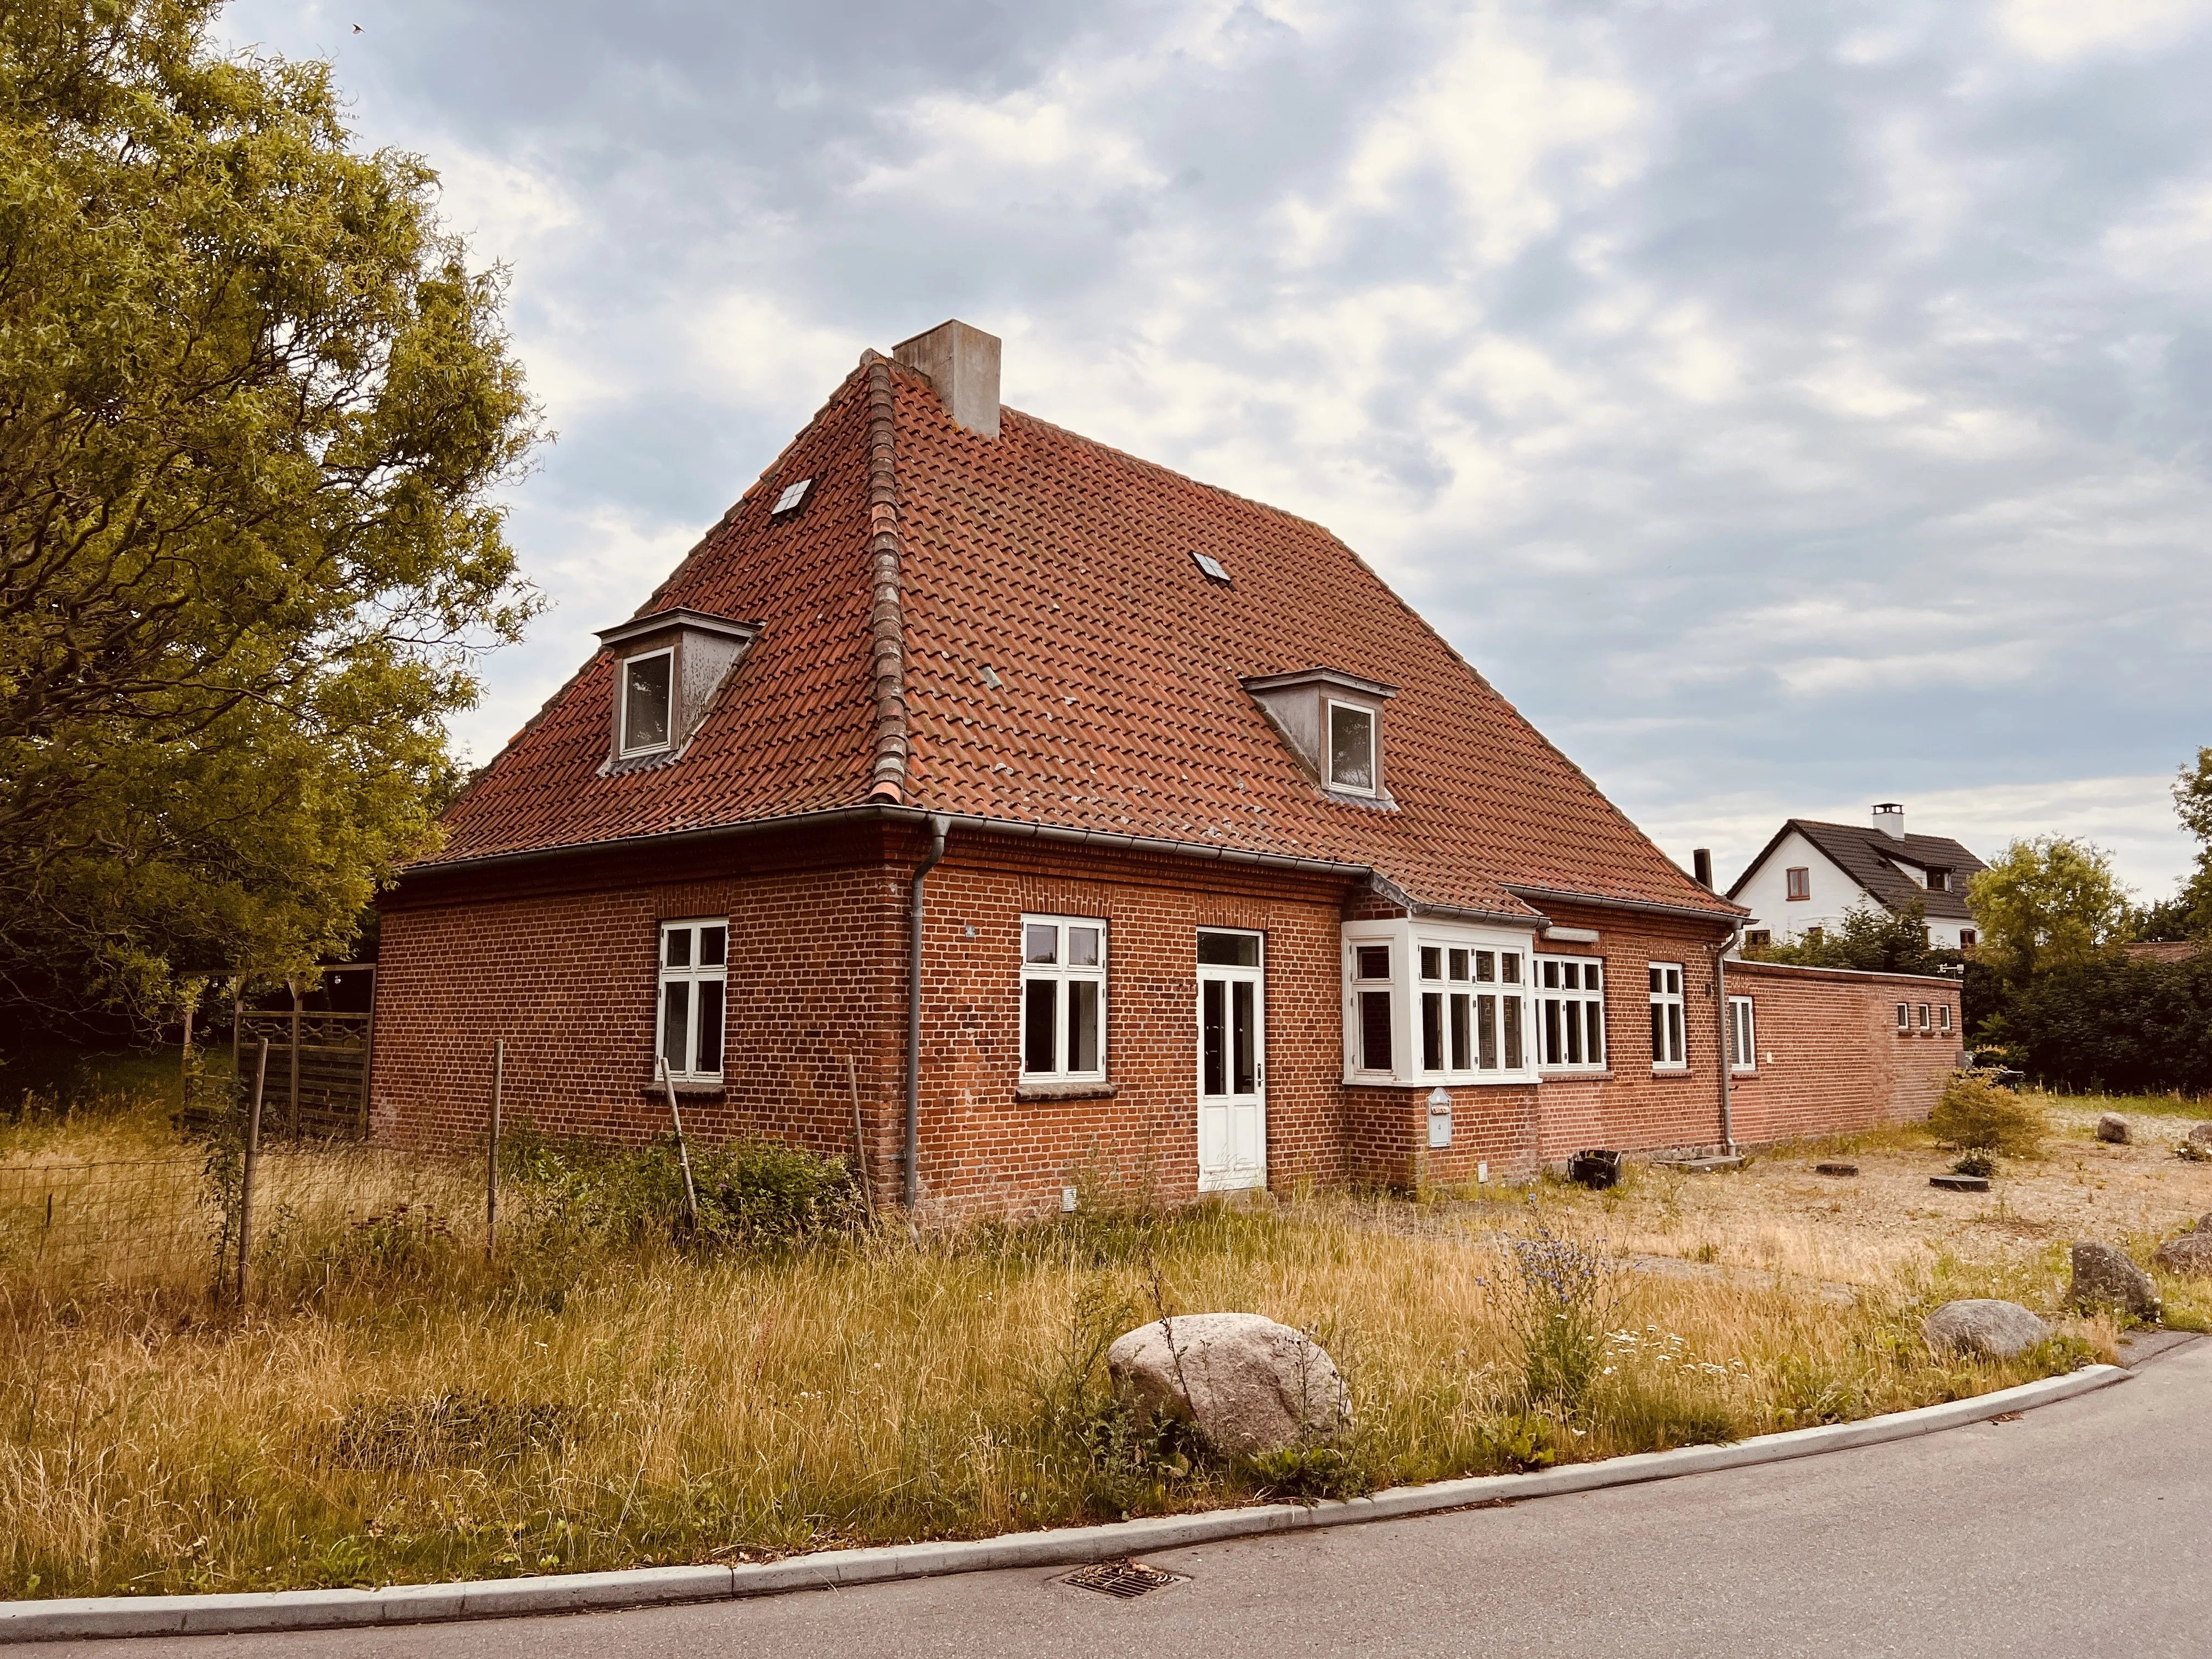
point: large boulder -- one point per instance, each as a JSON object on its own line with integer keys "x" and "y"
{"x": 1995, "y": 1330}
{"x": 2200, "y": 1134}
{"x": 2113, "y": 1127}
{"x": 1249, "y": 1384}
{"x": 2189, "y": 1256}
{"x": 2104, "y": 1277}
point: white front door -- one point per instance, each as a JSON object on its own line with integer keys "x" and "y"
{"x": 1232, "y": 1062}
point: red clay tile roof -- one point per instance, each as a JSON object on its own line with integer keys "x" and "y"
{"x": 1062, "y": 570}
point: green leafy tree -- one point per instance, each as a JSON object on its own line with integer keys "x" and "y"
{"x": 1871, "y": 938}
{"x": 253, "y": 406}
{"x": 2047, "y": 903}
{"x": 2187, "y": 914}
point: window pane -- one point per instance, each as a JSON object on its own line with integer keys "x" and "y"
{"x": 1041, "y": 942}
{"x": 1432, "y": 962}
{"x": 1040, "y": 1011}
{"x": 1462, "y": 1049}
{"x": 1593, "y": 1018}
{"x": 645, "y": 703}
{"x": 1571, "y": 975}
{"x": 1082, "y": 947}
{"x": 1351, "y": 747}
{"x": 1213, "y": 1036}
{"x": 1573, "y": 1024}
{"x": 1659, "y": 1055}
{"x": 1244, "y": 999}
{"x": 1674, "y": 982}
{"x": 1432, "y": 1030}
{"x": 677, "y": 947}
{"x": 1485, "y": 1025}
{"x": 1674, "y": 1034}
{"x": 1485, "y": 966}
{"x": 1551, "y": 1040}
{"x": 1229, "y": 950}
{"x": 1459, "y": 964}
{"x": 710, "y": 1027}
{"x": 1903, "y": 1016}
{"x": 713, "y": 943}
{"x": 1374, "y": 1030}
{"x": 1658, "y": 980}
{"x": 1082, "y": 1024}
{"x": 1374, "y": 961}
{"x": 1509, "y": 967}
{"x": 1550, "y": 974}
{"x": 675, "y": 1024}
{"x": 1924, "y": 1016}
{"x": 1510, "y": 1007}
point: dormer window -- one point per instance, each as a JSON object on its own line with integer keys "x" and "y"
{"x": 1333, "y": 723}
{"x": 647, "y": 684}
{"x": 1351, "y": 748}
{"x": 668, "y": 667}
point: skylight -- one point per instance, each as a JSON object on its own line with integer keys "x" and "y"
{"x": 792, "y": 497}
{"x": 1210, "y": 566}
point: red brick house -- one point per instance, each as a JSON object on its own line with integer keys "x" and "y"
{"x": 1043, "y": 820}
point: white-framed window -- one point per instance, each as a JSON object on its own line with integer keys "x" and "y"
{"x": 1799, "y": 882}
{"x": 1923, "y": 1017}
{"x": 1064, "y": 999}
{"x": 1470, "y": 1010}
{"x": 648, "y": 684}
{"x": 1570, "y": 1013}
{"x": 1667, "y": 1017}
{"x": 1743, "y": 1036}
{"x": 1351, "y": 748}
{"x": 1943, "y": 1016}
{"x": 1903, "y": 1016}
{"x": 694, "y": 974}
{"x": 1370, "y": 973}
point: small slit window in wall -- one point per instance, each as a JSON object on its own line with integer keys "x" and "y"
{"x": 1470, "y": 1021}
{"x": 693, "y": 976}
{"x": 1799, "y": 882}
{"x": 1571, "y": 1013}
{"x": 1943, "y": 1017}
{"x": 1743, "y": 1036}
{"x": 1351, "y": 748}
{"x": 1903, "y": 1016}
{"x": 1923, "y": 1017}
{"x": 647, "y": 697}
{"x": 1064, "y": 999}
{"x": 1667, "y": 1017}
{"x": 1371, "y": 964}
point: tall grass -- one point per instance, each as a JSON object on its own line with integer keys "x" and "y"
{"x": 394, "y": 1406}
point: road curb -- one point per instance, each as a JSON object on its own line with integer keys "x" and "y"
{"x": 412, "y": 1604}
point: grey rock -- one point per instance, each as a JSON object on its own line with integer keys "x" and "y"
{"x": 2104, "y": 1277}
{"x": 2113, "y": 1127}
{"x": 1249, "y": 1384}
{"x": 1996, "y": 1330}
{"x": 2201, "y": 1133}
{"x": 2189, "y": 1256}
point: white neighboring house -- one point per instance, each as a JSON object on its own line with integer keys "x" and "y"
{"x": 1812, "y": 875}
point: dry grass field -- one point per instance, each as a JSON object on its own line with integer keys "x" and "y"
{"x": 390, "y": 1406}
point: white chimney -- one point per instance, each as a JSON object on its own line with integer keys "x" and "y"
{"x": 1889, "y": 819}
{"x": 963, "y": 364}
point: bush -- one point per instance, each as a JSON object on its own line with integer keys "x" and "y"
{"x": 1976, "y": 1163}
{"x": 2115, "y": 1026}
{"x": 1975, "y": 1114}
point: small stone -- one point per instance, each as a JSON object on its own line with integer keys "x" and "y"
{"x": 1251, "y": 1385}
{"x": 2112, "y": 1127}
{"x": 2201, "y": 1134}
{"x": 1996, "y": 1330}
{"x": 2189, "y": 1256}
{"x": 2104, "y": 1277}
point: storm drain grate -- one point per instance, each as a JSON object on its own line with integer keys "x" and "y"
{"x": 1122, "y": 1579}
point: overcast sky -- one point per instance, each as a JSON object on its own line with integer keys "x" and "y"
{"x": 1789, "y": 406}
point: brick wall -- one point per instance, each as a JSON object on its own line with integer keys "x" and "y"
{"x": 1831, "y": 1059}
{"x": 558, "y": 958}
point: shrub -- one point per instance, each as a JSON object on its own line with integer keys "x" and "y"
{"x": 1974, "y": 1113}
{"x": 2116, "y": 1026}
{"x": 1559, "y": 1307}
{"x": 1976, "y": 1163}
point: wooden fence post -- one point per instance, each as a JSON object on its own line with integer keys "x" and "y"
{"x": 184, "y": 1074}
{"x": 491, "y": 1169}
{"x": 292, "y": 1111}
{"x": 245, "y": 1176}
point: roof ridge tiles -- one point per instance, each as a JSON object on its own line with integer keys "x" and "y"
{"x": 886, "y": 608}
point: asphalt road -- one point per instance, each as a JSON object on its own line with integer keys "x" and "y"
{"x": 2083, "y": 1528}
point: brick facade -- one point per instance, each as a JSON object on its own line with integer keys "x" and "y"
{"x": 558, "y": 958}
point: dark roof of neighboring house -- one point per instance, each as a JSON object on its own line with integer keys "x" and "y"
{"x": 2165, "y": 949}
{"x": 1066, "y": 663}
{"x": 1870, "y": 857}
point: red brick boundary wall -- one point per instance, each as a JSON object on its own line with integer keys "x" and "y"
{"x": 1831, "y": 1057}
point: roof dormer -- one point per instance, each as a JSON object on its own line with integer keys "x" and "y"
{"x": 668, "y": 667}
{"x": 1332, "y": 722}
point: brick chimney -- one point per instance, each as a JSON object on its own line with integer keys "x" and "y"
{"x": 1889, "y": 819}
{"x": 963, "y": 364}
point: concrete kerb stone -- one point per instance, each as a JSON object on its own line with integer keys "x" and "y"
{"x": 404, "y": 1604}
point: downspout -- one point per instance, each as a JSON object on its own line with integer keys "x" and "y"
{"x": 938, "y": 825}
{"x": 1728, "y": 1035}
